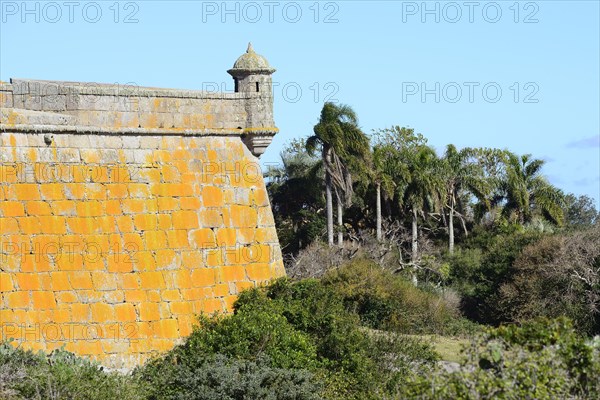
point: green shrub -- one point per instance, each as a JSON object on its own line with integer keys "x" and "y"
{"x": 465, "y": 270}
{"x": 313, "y": 308}
{"x": 556, "y": 276}
{"x": 542, "y": 359}
{"x": 295, "y": 326}
{"x": 255, "y": 353}
{"x": 59, "y": 375}
{"x": 579, "y": 357}
{"x": 480, "y": 269}
{"x": 387, "y": 301}
{"x": 210, "y": 377}
{"x": 251, "y": 334}
{"x": 344, "y": 354}
{"x": 355, "y": 362}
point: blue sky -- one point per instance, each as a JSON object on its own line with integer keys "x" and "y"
{"x": 519, "y": 75}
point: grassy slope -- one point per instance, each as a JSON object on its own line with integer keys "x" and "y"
{"x": 449, "y": 348}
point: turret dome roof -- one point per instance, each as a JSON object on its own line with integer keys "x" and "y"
{"x": 251, "y": 62}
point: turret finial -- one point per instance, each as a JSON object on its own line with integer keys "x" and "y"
{"x": 250, "y": 48}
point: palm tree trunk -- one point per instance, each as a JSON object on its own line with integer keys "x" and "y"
{"x": 415, "y": 233}
{"x": 340, "y": 221}
{"x": 415, "y": 246}
{"x": 462, "y": 222}
{"x": 329, "y": 209}
{"x": 451, "y": 228}
{"x": 378, "y": 208}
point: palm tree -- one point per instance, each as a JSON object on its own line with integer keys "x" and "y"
{"x": 461, "y": 175}
{"x": 387, "y": 168}
{"x": 416, "y": 174}
{"x": 344, "y": 147}
{"x": 422, "y": 192}
{"x": 528, "y": 193}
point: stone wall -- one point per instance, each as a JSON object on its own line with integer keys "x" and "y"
{"x": 124, "y": 213}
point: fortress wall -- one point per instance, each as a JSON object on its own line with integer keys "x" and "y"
{"x": 123, "y": 218}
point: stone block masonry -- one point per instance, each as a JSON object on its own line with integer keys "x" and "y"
{"x": 126, "y": 213}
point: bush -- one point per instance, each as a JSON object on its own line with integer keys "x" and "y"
{"x": 257, "y": 343}
{"x": 296, "y": 326}
{"x": 251, "y": 334}
{"x": 484, "y": 264}
{"x": 355, "y": 363}
{"x": 314, "y": 260}
{"x": 59, "y": 375}
{"x": 579, "y": 357}
{"x": 558, "y": 275}
{"x": 542, "y": 359}
{"x": 387, "y": 301}
{"x": 352, "y": 362}
{"x": 209, "y": 377}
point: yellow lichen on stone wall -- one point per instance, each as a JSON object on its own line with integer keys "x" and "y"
{"x": 112, "y": 244}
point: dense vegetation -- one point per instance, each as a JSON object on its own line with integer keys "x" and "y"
{"x": 60, "y": 375}
{"x": 480, "y": 224}
{"x": 540, "y": 360}
{"x": 474, "y": 243}
{"x": 314, "y": 339}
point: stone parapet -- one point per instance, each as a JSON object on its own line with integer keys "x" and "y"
{"x": 79, "y": 107}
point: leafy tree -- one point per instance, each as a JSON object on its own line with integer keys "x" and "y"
{"x": 296, "y": 197}
{"x": 491, "y": 164}
{"x": 344, "y": 148}
{"x": 580, "y": 211}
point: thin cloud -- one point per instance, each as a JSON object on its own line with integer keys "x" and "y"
{"x": 587, "y": 143}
